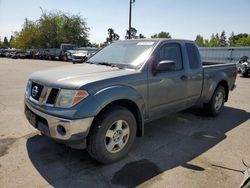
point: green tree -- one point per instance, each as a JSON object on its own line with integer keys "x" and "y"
{"x": 217, "y": 36}
{"x": 6, "y": 42}
{"x": 112, "y": 36}
{"x": 95, "y": 45}
{"x": 214, "y": 41}
{"x": 223, "y": 39}
{"x": 58, "y": 27}
{"x": 199, "y": 41}
{"x": 28, "y": 37}
{"x": 10, "y": 41}
{"x": 231, "y": 40}
{"x": 133, "y": 33}
{"x": 243, "y": 41}
{"x": 238, "y": 40}
{"x": 206, "y": 43}
{"x": 141, "y": 36}
{"x": 52, "y": 29}
{"x": 162, "y": 35}
{"x": 1, "y": 43}
{"x": 241, "y": 35}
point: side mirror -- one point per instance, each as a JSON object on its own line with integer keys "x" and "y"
{"x": 165, "y": 66}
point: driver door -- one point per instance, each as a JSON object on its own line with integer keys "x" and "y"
{"x": 167, "y": 89}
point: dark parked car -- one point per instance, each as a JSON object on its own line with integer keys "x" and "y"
{"x": 9, "y": 52}
{"x": 54, "y": 53}
{"x": 42, "y": 54}
{"x": 63, "y": 51}
{"x": 19, "y": 55}
{"x": 1, "y": 52}
{"x": 30, "y": 53}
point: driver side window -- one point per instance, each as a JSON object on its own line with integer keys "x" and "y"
{"x": 171, "y": 52}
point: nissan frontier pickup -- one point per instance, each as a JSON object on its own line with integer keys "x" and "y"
{"x": 103, "y": 104}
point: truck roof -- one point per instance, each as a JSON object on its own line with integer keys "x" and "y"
{"x": 158, "y": 40}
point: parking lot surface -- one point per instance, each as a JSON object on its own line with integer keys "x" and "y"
{"x": 187, "y": 149}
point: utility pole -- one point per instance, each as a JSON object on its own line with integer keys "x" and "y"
{"x": 130, "y": 14}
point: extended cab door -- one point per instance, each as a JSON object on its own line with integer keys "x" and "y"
{"x": 167, "y": 88}
{"x": 195, "y": 74}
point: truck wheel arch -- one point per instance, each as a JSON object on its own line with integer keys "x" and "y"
{"x": 218, "y": 80}
{"x": 131, "y": 106}
{"x": 213, "y": 88}
{"x": 126, "y": 97}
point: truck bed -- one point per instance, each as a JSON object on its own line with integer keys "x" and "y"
{"x": 214, "y": 71}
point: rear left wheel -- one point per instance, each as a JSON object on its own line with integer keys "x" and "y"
{"x": 216, "y": 103}
{"x": 112, "y": 135}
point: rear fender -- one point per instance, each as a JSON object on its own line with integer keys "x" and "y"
{"x": 212, "y": 83}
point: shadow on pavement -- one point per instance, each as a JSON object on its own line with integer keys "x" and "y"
{"x": 167, "y": 143}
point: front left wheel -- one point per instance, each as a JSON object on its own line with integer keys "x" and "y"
{"x": 65, "y": 58}
{"x": 112, "y": 135}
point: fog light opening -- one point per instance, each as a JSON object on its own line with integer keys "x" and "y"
{"x": 61, "y": 130}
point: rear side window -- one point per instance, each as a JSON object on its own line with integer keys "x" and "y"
{"x": 193, "y": 56}
{"x": 171, "y": 52}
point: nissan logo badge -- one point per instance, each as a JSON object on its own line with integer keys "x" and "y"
{"x": 34, "y": 91}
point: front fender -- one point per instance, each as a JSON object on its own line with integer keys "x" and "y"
{"x": 114, "y": 93}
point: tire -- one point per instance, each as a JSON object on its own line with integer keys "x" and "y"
{"x": 65, "y": 58}
{"x": 112, "y": 135}
{"x": 217, "y": 101}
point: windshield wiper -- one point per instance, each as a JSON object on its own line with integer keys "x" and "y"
{"x": 109, "y": 64}
{"x": 100, "y": 63}
{"x": 118, "y": 65}
{"x": 105, "y": 63}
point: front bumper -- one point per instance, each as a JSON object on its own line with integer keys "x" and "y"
{"x": 70, "y": 132}
{"x": 77, "y": 60}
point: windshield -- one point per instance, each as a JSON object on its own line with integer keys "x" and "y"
{"x": 131, "y": 54}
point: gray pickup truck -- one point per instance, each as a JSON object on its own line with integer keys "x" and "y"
{"x": 103, "y": 104}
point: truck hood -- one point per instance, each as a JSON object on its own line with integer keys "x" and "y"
{"x": 76, "y": 76}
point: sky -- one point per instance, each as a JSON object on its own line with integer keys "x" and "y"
{"x": 183, "y": 19}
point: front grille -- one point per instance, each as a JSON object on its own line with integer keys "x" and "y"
{"x": 36, "y": 90}
{"x": 52, "y": 96}
{"x": 43, "y": 95}
{"x": 77, "y": 57}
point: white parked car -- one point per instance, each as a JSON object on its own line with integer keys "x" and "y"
{"x": 79, "y": 56}
{"x": 82, "y": 54}
{"x": 245, "y": 68}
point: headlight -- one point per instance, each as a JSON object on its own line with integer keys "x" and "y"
{"x": 68, "y": 98}
{"x": 27, "y": 91}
